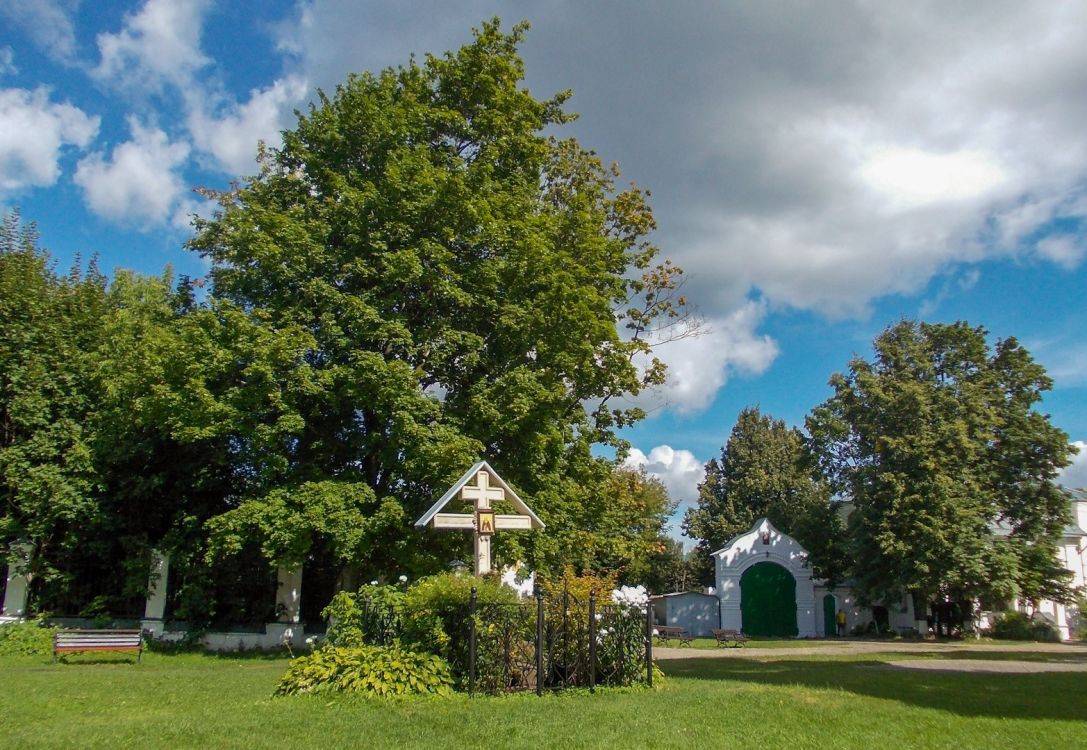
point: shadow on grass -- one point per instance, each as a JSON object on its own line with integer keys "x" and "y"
{"x": 1052, "y": 695}
{"x": 1043, "y": 657}
{"x": 74, "y": 660}
{"x": 158, "y": 659}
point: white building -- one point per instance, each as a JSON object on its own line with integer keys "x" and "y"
{"x": 765, "y": 588}
{"x": 1072, "y": 553}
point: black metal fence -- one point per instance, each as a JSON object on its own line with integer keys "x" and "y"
{"x": 544, "y": 644}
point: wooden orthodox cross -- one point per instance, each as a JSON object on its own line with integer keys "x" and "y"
{"x": 486, "y": 487}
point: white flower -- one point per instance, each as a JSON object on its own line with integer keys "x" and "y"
{"x": 635, "y": 597}
{"x": 374, "y": 582}
{"x": 403, "y": 579}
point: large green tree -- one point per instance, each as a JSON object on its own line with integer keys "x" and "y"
{"x": 949, "y": 465}
{"x": 49, "y": 325}
{"x": 129, "y": 417}
{"x": 460, "y": 280}
{"x": 765, "y": 470}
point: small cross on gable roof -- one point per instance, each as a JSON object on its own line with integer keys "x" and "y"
{"x": 427, "y": 518}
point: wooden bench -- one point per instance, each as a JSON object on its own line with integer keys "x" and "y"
{"x": 74, "y": 641}
{"x": 729, "y": 638}
{"x": 668, "y": 633}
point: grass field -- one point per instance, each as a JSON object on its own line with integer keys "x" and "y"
{"x": 797, "y": 701}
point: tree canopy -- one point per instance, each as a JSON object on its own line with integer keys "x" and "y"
{"x": 949, "y": 465}
{"x": 460, "y": 279}
{"x": 765, "y": 470}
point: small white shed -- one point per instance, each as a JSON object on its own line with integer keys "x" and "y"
{"x": 696, "y": 613}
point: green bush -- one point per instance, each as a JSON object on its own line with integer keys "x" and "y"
{"x": 372, "y": 615}
{"x": 430, "y": 616}
{"x": 1018, "y": 626}
{"x": 369, "y": 670}
{"x": 26, "y": 639}
{"x": 436, "y": 608}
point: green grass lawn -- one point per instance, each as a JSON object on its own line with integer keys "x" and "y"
{"x": 796, "y": 701}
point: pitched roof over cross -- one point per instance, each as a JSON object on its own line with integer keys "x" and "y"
{"x": 489, "y": 487}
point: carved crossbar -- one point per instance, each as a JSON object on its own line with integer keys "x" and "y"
{"x": 73, "y": 641}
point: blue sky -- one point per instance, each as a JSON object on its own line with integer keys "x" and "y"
{"x": 821, "y": 170}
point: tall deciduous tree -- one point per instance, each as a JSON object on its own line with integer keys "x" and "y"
{"x": 765, "y": 470}
{"x": 459, "y": 277}
{"x": 48, "y": 326}
{"x": 950, "y": 467}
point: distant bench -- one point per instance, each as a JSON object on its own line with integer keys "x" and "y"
{"x": 667, "y": 633}
{"x": 729, "y": 638}
{"x": 74, "y": 641}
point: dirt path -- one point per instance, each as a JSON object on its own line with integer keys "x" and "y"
{"x": 1075, "y": 654}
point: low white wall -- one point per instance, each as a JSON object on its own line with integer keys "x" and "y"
{"x": 275, "y": 635}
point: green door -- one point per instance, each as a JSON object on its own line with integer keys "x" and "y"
{"x": 830, "y": 624}
{"x": 768, "y": 601}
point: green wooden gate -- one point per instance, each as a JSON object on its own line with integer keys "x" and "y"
{"x": 830, "y": 623}
{"x": 768, "y": 601}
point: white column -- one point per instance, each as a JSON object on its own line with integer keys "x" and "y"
{"x": 18, "y": 580}
{"x": 806, "y": 624}
{"x": 289, "y": 595}
{"x": 728, "y": 590}
{"x": 155, "y": 607}
{"x": 287, "y": 631}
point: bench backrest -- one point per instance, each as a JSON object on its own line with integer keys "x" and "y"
{"x": 97, "y": 639}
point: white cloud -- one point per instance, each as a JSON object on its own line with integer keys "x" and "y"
{"x": 679, "y": 470}
{"x": 47, "y": 22}
{"x": 1066, "y": 250}
{"x": 817, "y": 158}
{"x": 833, "y": 154}
{"x": 910, "y": 177}
{"x": 1075, "y": 475}
{"x": 33, "y": 132}
{"x": 231, "y": 137}
{"x": 699, "y": 366}
{"x": 138, "y": 182}
{"x": 158, "y": 44}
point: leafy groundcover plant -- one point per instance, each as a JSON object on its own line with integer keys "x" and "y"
{"x": 380, "y": 671}
{"x": 26, "y": 639}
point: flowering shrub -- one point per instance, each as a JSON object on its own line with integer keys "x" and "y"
{"x": 620, "y": 648}
{"x": 635, "y": 597}
{"x": 432, "y": 615}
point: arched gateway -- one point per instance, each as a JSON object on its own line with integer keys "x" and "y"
{"x": 765, "y": 586}
{"x": 768, "y": 601}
